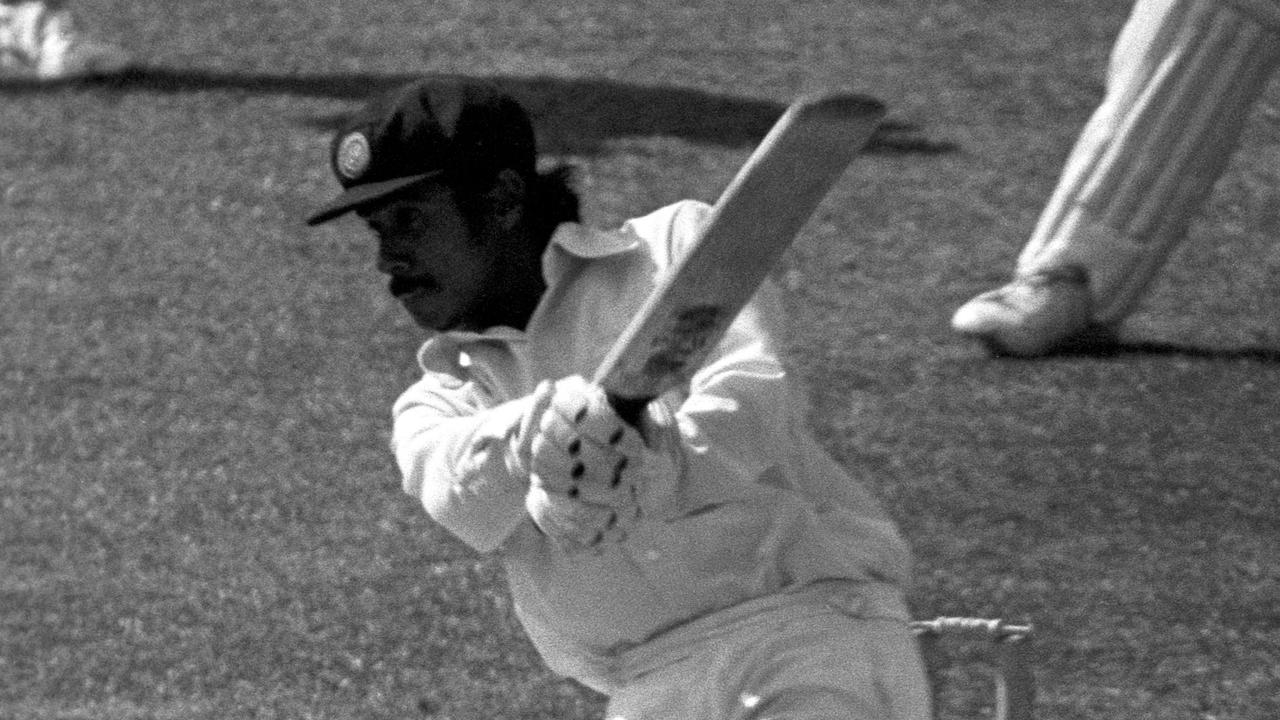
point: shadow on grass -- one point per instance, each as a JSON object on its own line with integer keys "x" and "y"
{"x": 1153, "y": 348}
{"x": 575, "y": 115}
{"x": 1102, "y": 342}
{"x": 1247, "y": 354}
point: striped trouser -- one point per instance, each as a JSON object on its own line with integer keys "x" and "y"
{"x": 1182, "y": 78}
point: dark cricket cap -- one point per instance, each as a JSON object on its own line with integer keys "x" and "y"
{"x": 421, "y": 131}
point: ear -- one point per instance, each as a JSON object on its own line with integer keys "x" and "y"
{"x": 507, "y": 197}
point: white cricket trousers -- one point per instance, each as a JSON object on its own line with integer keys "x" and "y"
{"x": 1182, "y": 78}
{"x": 836, "y": 651}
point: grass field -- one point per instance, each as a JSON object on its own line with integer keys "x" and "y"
{"x": 198, "y": 514}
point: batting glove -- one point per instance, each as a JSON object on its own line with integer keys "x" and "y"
{"x": 584, "y": 468}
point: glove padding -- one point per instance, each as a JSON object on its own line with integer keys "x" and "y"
{"x": 584, "y": 467}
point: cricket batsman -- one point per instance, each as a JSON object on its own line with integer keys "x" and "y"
{"x": 710, "y": 561}
{"x": 39, "y": 41}
{"x": 1183, "y": 75}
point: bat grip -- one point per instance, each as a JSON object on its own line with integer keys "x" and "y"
{"x": 629, "y": 409}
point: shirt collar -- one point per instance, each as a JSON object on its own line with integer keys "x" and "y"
{"x": 586, "y": 242}
{"x": 572, "y": 242}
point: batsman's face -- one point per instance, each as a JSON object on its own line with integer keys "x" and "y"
{"x": 438, "y": 271}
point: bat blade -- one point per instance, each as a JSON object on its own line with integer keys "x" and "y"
{"x": 753, "y": 222}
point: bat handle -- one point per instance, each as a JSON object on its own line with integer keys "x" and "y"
{"x": 629, "y": 409}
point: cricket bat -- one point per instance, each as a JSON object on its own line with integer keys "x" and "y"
{"x": 756, "y": 218}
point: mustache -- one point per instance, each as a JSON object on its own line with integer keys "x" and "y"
{"x": 404, "y": 284}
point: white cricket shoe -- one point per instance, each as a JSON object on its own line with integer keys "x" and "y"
{"x": 42, "y": 44}
{"x": 1034, "y": 315}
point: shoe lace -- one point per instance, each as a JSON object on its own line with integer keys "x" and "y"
{"x": 1068, "y": 274}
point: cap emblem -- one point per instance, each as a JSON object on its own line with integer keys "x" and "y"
{"x": 353, "y": 156}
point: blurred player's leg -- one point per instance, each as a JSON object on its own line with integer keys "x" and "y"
{"x": 1182, "y": 78}
{"x": 830, "y": 651}
{"x": 39, "y": 41}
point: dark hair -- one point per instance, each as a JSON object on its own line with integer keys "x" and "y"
{"x": 550, "y": 199}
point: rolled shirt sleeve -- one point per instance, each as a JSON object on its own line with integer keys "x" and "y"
{"x": 460, "y": 459}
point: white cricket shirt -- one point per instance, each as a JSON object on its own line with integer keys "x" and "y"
{"x": 749, "y": 506}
